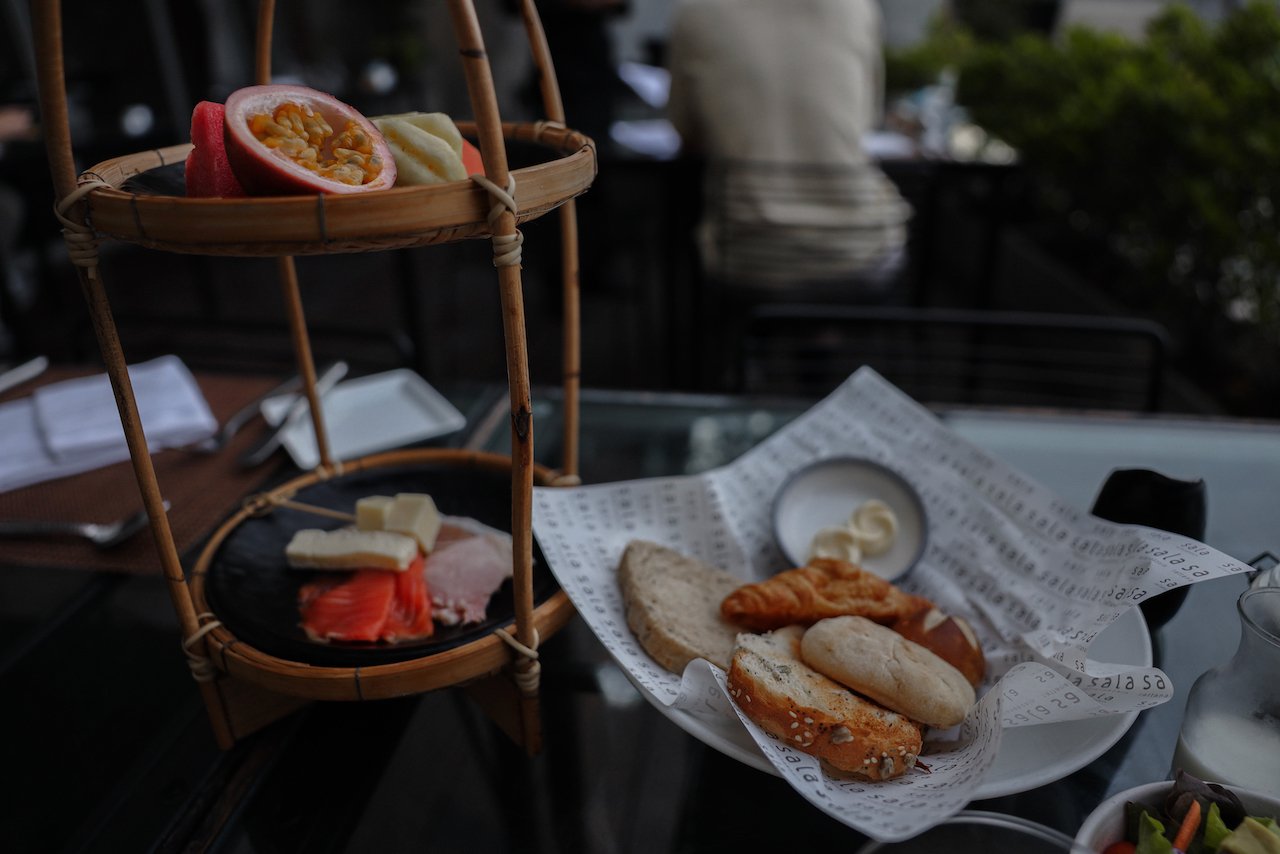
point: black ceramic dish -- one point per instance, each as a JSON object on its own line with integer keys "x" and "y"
{"x": 255, "y": 594}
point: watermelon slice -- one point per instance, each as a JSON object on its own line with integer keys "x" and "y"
{"x": 208, "y": 172}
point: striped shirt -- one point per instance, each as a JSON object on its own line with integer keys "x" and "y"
{"x": 777, "y": 95}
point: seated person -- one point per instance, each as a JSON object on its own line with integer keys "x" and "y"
{"x": 776, "y": 96}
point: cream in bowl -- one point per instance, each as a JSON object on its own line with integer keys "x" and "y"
{"x": 851, "y": 509}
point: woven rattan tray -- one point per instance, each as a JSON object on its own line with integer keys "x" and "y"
{"x": 320, "y": 224}
{"x": 453, "y": 665}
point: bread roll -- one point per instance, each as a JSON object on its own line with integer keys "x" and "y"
{"x": 825, "y": 588}
{"x": 949, "y": 638}
{"x": 672, "y": 604}
{"x": 881, "y": 664}
{"x": 785, "y": 697}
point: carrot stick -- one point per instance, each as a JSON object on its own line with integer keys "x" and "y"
{"x": 1187, "y": 830}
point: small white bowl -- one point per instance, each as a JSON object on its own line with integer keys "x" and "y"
{"x": 1105, "y": 824}
{"x": 826, "y": 493}
{"x": 979, "y": 832}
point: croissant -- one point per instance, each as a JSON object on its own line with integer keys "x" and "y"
{"x": 825, "y": 588}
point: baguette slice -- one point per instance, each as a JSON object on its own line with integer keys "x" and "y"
{"x": 787, "y": 698}
{"x": 897, "y": 673}
{"x": 672, "y": 603}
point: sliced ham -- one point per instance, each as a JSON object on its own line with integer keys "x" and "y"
{"x": 464, "y": 572}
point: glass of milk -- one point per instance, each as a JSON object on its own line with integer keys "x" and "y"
{"x": 1231, "y": 730}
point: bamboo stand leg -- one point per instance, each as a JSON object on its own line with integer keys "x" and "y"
{"x": 493, "y": 151}
{"x": 47, "y": 25}
{"x": 571, "y": 355}
{"x": 234, "y": 708}
{"x": 286, "y": 269}
{"x": 288, "y": 273}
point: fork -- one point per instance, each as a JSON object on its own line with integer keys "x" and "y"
{"x": 103, "y": 535}
{"x": 232, "y": 425}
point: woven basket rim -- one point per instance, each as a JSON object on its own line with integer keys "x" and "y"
{"x": 453, "y": 666}
{"x": 399, "y": 217}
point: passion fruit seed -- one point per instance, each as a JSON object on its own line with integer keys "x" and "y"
{"x": 303, "y": 135}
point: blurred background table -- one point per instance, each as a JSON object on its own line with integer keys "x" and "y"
{"x": 109, "y": 742}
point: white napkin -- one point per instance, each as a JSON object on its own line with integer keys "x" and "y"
{"x": 74, "y": 426}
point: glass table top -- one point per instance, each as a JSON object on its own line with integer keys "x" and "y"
{"x": 614, "y": 775}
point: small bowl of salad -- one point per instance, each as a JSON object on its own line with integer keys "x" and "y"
{"x": 1185, "y": 816}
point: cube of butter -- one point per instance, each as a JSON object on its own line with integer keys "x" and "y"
{"x": 415, "y": 514}
{"x": 348, "y": 548}
{"x": 371, "y": 512}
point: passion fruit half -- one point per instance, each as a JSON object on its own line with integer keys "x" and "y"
{"x": 291, "y": 140}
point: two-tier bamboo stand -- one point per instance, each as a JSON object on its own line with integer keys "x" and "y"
{"x": 245, "y": 688}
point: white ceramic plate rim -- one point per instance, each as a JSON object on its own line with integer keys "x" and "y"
{"x": 1000, "y": 820}
{"x": 1126, "y": 641}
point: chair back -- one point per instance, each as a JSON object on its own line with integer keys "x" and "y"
{"x": 956, "y": 356}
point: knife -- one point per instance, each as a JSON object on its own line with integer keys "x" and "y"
{"x": 232, "y": 425}
{"x": 26, "y": 371}
{"x": 268, "y": 445}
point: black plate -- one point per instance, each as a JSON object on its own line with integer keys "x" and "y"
{"x": 255, "y": 594}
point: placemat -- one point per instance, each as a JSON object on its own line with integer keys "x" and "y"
{"x": 202, "y": 489}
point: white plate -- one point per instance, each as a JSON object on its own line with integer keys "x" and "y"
{"x": 1029, "y": 757}
{"x": 369, "y": 414}
{"x": 825, "y": 495}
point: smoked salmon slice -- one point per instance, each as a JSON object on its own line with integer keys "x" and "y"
{"x": 352, "y": 609}
{"x": 453, "y": 585}
{"x": 368, "y": 605}
{"x": 410, "y": 616}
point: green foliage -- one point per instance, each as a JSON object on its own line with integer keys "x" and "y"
{"x": 947, "y": 46}
{"x": 1169, "y": 148}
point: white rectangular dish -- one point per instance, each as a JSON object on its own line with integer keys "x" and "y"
{"x": 369, "y": 414}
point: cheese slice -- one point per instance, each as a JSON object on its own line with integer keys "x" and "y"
{"x": 415, "y": 514}
{"x": 349, "y": 548}
{"x": 371, "y": 512}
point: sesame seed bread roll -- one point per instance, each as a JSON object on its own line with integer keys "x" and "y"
{"x": 672, "y": 603}
{"x": 774, "y": 688}
{"x": 883, "y": 665}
